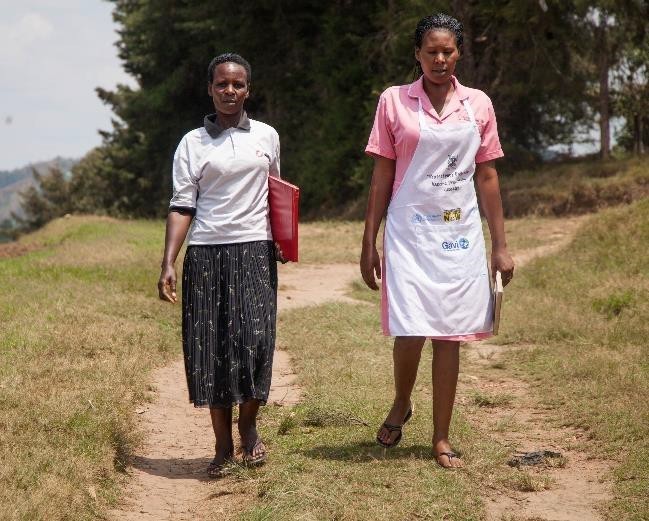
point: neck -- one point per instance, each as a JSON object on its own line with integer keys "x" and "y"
{"x": 437, "y": 91}
{"x": 228, "y": 120}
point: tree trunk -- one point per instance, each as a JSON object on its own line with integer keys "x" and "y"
{"x": 640, "y": 134}
{"x": 604, "y": 97}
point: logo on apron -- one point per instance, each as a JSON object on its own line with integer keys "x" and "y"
{"x": 430, "y": 218}
{"x": 461, "y": 244}
{"x": 452, "y": 215}
{"x": 451, "y": 161}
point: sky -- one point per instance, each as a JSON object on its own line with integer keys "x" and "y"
{"x": 53, "y": 54}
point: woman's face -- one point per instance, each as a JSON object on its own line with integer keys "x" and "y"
{"x": 438, "y": 55}
{"x": 229, "y": 88}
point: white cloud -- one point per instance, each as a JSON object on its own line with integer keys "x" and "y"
{"x": 16, "y": 38}
{"x": 52, "y": 56}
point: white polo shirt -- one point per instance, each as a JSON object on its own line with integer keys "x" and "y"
{"x": 221, "y": 177}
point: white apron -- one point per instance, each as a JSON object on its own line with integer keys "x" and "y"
{"x": 435, "y": 276}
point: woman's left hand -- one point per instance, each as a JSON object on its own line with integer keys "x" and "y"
{"x": 279, "y": 255}
{"x": 502, "y": 261}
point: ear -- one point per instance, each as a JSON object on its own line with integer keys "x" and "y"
{"x": 247, "y": 92}
{"x": 209, "y": 89}
{"x": 417, "y": 53}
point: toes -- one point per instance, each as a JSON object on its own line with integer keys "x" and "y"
{"x": 449, "y": 462}
{"x": 259, "y": 449}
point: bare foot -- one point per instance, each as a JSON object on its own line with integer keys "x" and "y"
{"x": 398, "y": 416}
{"x": 445, "y": 456}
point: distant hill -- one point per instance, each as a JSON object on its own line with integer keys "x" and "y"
{"x": 12, "y": 182}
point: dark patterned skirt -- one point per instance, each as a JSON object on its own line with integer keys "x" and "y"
{"x": 229, "y": 309}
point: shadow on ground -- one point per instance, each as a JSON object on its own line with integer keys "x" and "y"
{"x": 368, "y": 451}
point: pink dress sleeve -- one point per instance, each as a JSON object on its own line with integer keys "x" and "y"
{"x": 381, "y": 140}
{"x": 490, "y": 142}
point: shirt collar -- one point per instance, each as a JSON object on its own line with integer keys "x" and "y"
{"x": 214, "y": 129}
{"x": 416, "y": 89}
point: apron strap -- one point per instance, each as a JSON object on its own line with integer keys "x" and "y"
{"x": 420, "y": 114}
{"x": 469, "y": 110}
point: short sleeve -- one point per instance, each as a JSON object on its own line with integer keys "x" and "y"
{"x": 381, "y": 140}
{"x": 489, "y": 141}
{"x": 274, "y": 164}
{"x": 185, "y": 184}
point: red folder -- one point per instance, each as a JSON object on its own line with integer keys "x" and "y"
{"x": 283, "y": 199}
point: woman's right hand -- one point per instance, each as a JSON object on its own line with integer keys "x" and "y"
{"x": 370, "y": 266}
{"x": 167, "y": 284}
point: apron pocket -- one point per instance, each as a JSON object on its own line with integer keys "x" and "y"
{"x": 451, "y": 252}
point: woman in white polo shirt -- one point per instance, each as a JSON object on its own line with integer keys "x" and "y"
{"x": 229, "y": 301}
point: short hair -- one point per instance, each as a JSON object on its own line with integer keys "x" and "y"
{"x": 226, "y": 58}
{"x": 439, "y": 21}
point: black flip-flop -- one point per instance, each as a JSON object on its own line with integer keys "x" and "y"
{"x": 395, "y": 428}
{"x": 450, "y": 455}
{"x": 219, "y": 470}
{"x": 253, "y": 461}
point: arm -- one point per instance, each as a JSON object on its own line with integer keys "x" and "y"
{"x": 177, "y": 227}
{"x": 489, "y": 189}
{"x": 377, "y": 204}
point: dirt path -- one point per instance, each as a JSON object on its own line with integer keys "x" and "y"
{"x": 576, "y": 488}
{"x": 167, "y": 479}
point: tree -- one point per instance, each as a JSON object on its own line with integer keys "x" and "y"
{"x": 49, "y": 199}
{"x": 607, "y": 26}
{"x": 318, "y": 68}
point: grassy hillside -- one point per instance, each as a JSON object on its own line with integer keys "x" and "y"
{"x": 575, "y": 187}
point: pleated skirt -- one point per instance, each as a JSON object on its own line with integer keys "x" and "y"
{"x": 229, "y": 308}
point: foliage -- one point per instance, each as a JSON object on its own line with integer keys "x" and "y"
{"x": 46, "y": 201}
{"x": 318, "y": 68}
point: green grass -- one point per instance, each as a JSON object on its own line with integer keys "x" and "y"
{"x": 81, "y": 327}
{"x": 575, "y": 187}
{"x": 585, "y": 310}
{"x": 325, "y": 463}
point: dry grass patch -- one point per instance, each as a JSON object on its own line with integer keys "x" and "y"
{"x": 575, "y": 187}
{"x": 586, "y": 310}
{"x": 329, "y": 242}
{"x": 482, "y": 399}
{"x": 524, "y": 481}
{"x": 79, "y": 334}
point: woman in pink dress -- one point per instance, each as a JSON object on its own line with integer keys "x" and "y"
{"x": 429, "y": 141}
